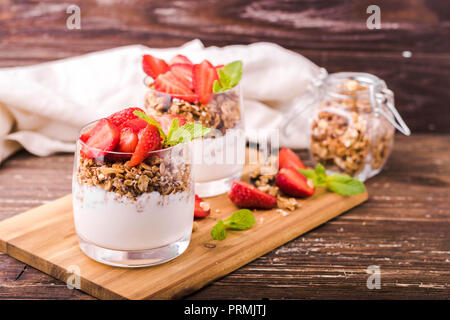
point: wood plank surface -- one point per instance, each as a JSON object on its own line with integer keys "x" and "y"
{"x": 45, "y": 238}
{"x": 403, "y": 228}
{"x": 333, "y": 34}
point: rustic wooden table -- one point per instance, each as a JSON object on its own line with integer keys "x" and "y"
{"x": 404, "y": 228}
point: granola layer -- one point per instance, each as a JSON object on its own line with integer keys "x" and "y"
{"x": 154, "y": 174}
{"x": 221, "y": 113}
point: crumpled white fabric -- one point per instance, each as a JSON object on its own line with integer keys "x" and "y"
{"x": 43, "y": 106}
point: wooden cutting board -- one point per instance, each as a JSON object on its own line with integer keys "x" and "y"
{"x": 45, "y": 239}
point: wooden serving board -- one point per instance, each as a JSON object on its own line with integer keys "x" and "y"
{"x": 45, "y": 239}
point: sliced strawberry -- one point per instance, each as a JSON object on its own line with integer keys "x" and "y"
{"x": 128, "y": 140}
{"x": 166, "y": 120}
{"x": 170, "y": 84}
{"x": 247, "y": 196}
{"x": 135, "y": 124}
{"x": 288, "y": 159}
{"x": 85, "y": 136}
{"x": 104, "y": 138}
{"x": 204, "y": 76}
{"x": 123, "y": 116}
{"x": 154, "y": 66}
{"x": 202, "y": 208}
{"x": 183, "y": 72}
{"x": 149, "y": 140}
{"x": 293, "y": 183}
{"x": 179, "y": 58}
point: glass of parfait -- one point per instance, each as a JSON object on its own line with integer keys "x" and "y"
{"x": 206, "y": 94}
{"x": 135, "y": 208}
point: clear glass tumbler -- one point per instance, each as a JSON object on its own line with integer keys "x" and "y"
{"x": 220, "y": 156}
{"x": 133, "y": 216}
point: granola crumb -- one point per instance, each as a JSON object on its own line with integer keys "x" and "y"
{"x": 282, "y": 212}
{"x": 194, "y": 226}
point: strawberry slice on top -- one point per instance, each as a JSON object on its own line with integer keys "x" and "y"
{"x": 170, "y": 84}
{"x": 103, "y": 138}
{"x": 293, "y": 183}
{"x": 183, "y": 72}
{"x": 123, "y": 116}
{"x": 149, "y": 140}
{"x": 154, "y": 66}
{"x": 135, "y": 124}
{"x": 179, "y": 58}
{"x": 204, "y": 75}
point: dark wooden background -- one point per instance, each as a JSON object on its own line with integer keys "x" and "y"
{"x": 403, "y": 228}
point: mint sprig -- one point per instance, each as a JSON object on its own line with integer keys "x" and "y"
{"x": 342, "y": 184}
{"x": 239, "y": 220}
{"x": 229, "y": 76}
{"x": 176, "y": 134}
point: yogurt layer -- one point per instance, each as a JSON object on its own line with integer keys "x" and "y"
{"x": 115, "y": 222}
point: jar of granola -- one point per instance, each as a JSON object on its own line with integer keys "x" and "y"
{"x": 352, "y": 123}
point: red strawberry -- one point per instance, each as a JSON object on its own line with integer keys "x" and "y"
{"x": 202, "y": 208}
{"x": 104, "y": 137}
{"x": 85, "y": 136}
{"x": 166, "y": 120}
{"x": 288, "y": 159}
{"x": 154, "y": 66}
{"x": 128, "y": 140}
{"x": 247, "y": 196}
{"x": 149, "y": 140}
{"x": 220, "y": 66}
{"x": 179, "y": 58}
{"x": 135, "y": 124}
{"x": 293, "y": 183}
{"x": 170, "y": 84}
{"x": 204, "y": 76}
{"x": 123, "y": 116}
{"x": 183, "y": 72}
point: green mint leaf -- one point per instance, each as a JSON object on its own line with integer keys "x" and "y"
{"x": 173, "y": 127}
{"x": 345, "y": 185}
{"x": 187, "y": 133}
{"x": 240, "y": 220}
{"x": 152, "y": 121}
{"x": 229, "y": 76}
{"x": 320, "y": 179}
{"x": 308, "y": 173}
{"x": 218, "y": 232}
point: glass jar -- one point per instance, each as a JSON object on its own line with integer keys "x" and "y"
{"x": 219, "y": 157}
{"x": 133, "y": 216}
{"x": 352, "y": 123}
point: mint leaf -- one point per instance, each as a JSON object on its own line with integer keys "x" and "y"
{"x": 229, "y": 76}
{"x": 345, "y": 185}
{"x": 320, "y": 179}
{"x": 173, "y": 127}
{"x": 218, "y": 232}
{"x": 240, "y": 220}
{"x": 152, "y": 121}
{"x": 186, "y": 133}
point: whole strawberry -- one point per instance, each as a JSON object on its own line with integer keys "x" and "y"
{"x": 247, "y": 196}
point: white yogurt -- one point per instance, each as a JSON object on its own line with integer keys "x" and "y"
{"x": 115, "y": 222}
{"x": 219, "y": 158}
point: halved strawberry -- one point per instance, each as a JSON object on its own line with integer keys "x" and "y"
{"x": 202, "y": 208}
{"x": 135, "y": 124}
{"x": 128, "y": 140}
{"x": 293, "y": 183}
{"x": 288, "y": 159}
{"x": 166, "y": 120}
{"x": 123, "y": 116}
{"x": 104, "y": 137}
{"x": 179, "y": 58}
{"x": 85, "y": 136}
{"x": 154, "y": 66}
{"x": 183, "y": 72}
{"x": 149, "y": 140}
{"x": 204, "y": 76}
{"x": 247, "y": 196}
{"x": 170, "y": 84}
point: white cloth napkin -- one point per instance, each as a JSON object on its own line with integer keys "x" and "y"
{"x": 43, "y": 106}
